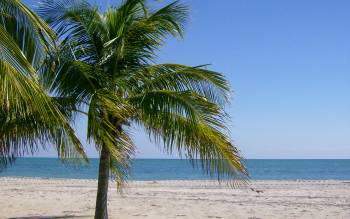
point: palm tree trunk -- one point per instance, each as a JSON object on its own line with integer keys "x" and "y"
{"x": 101, "y": 211}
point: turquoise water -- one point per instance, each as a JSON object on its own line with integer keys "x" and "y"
{"x": 160, "y": 169}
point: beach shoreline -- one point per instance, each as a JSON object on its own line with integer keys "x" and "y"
{"x": 23, "y": 197}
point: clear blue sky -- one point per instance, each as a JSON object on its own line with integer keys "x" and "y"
{"x": 289, "y": 65}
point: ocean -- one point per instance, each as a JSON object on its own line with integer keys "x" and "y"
{"x": 177, "y": 169}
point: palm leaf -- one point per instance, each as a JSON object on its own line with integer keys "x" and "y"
{"x": 200, "y": 143}
{"x": 30, "y": 119}
{"x": 30, "y": 32}
{"x": 209, "y": 84}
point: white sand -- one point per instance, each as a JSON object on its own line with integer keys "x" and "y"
{"x": 52, "y": 198}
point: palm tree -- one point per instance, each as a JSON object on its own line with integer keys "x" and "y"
{"x": 104, "y": 64}
{"x": 29, "y": 118}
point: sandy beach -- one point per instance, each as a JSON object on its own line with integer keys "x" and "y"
{"x": 60, "y": 198}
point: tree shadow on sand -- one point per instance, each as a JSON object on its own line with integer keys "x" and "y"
{"x": 53, "y": 217}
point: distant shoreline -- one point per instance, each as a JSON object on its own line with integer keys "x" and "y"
{"x": 177, "y": 169}
{"x": 210, "y": 181}
{"x": 146, "y": 158}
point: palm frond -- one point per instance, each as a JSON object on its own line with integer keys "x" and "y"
{"x": 138, "y": 33}
{"x": 170, "y": 19}
{"x": 188, "y": 122}
{"x": 107, "y": 110}
{"x": 120, "y": 18}
{"x": 174, "y": 77}
{"x": 120, "y": 165}
{"x": 185, "y": 103}
{"x": 30, "y": 119}
{"x": 106, "y": 116}
{"x": 12, "y": 54}
{"x": 79, "y": 23}
{"x": 32, "y": 35}
{"x": 200, "y": 143}
{"x": 75, "y": 79}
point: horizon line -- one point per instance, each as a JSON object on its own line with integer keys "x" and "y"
{"x": 157, "y": 158}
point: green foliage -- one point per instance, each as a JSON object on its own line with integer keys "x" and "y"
{"x": 29, "y": 118}
{"x": 105, "y": 63}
